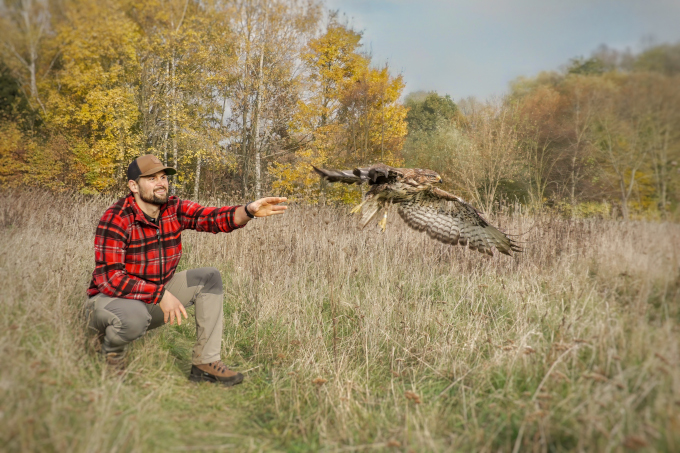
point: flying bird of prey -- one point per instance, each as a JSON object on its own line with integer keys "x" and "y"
{"x": 423, "y": 206}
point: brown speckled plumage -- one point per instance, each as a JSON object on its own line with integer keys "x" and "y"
{"x": 424, "y": 207}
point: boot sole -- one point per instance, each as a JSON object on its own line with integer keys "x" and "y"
{"x": 230, "y": 383}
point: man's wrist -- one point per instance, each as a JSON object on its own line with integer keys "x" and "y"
{"x": 245, "y": 208}
{"x": 160, "y": 296}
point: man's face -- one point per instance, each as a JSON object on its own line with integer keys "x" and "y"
{"x": 154, "y": 189}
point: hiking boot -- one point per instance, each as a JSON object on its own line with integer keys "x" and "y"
{"x": 215, "y": 372}
{"x": 116, "y": 362}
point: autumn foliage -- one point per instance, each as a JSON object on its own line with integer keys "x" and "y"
{"x": 244, "y": 96}
{"x": 239, "y": 96}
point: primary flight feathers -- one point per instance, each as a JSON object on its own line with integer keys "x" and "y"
{"x": 423, "y": 206}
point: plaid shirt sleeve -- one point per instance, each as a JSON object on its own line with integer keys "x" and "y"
{"x": 109, "y": 275}
{"x": 193, "y": 216}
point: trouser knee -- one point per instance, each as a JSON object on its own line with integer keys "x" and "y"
{"x": 208, "y": 277}
{"x": 121, "y": 321}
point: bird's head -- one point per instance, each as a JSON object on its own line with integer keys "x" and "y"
{"x": 429, "y": 177}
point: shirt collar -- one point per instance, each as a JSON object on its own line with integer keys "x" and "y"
{"x": 139, "y": 214}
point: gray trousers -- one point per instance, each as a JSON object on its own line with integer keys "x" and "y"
{"x": 121, "y": 321}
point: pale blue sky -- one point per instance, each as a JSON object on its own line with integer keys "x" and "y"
{"x": 476, "y": 47}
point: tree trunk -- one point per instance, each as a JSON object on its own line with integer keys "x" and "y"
{"x": 624, "y": 199}
{"x": 34, "y": 85}
{"x": 382, "y": 126}
{"x": 244, "y": 130}
{"x": 198, "y": 177}
{"x": 32, "y": 44}
{"x": 257, "y": 148}
{"x": 167, "y": 116}
{"x": 175, "y": 157}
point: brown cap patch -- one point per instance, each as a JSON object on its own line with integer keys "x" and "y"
{"x": 147, "y": 165}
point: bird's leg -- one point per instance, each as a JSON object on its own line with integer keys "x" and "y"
{"x": 383, "y": 222}
{"x": 358, "y": 207}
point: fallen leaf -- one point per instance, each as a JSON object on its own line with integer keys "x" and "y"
{"x": 634, "y": 442}
{"x": 412, "y": 396}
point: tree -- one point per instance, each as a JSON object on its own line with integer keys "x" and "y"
{"x": 271, "y": 36}
{"x": 91, "y": 100}
{"x": 350, "y": 111}
{"x": 430, "y": 112}
{"x": 540, "y": 138}
{"x": 25, "y": 25}
{"x": 13, "y": 104}
{"x": 489, "y": 154}
{"x": 622, "y": 134}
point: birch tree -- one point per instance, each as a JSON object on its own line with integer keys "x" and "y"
{"x": 270, "y": 38}
{"x": 24, "y": 27}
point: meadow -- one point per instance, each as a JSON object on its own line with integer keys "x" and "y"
{"x": 353, "y": 340}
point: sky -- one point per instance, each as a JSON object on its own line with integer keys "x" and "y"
{"x": 476, "y": 47}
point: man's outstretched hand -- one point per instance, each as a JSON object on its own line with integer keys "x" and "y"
{"x": 172, "y": 308}
{"x": 263, "y": 207}
{"x": 267, "y": 206}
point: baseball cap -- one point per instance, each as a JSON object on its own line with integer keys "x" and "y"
{"x": 147, "y": 165}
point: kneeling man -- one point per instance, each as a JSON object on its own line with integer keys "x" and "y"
{"x": 137, "y": 247}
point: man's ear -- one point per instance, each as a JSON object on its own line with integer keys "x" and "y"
{"x": 134, "y": 188}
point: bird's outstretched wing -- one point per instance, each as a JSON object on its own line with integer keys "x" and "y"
{"x": 375, "y": 174}
{"x": 356, "y": 176}
{"x": 447, "y": 218}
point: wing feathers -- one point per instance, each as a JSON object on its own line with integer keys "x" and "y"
{"x": 346, "y": 176}
{"x": 443, "y": 216}
{"x": 450, "y": 220}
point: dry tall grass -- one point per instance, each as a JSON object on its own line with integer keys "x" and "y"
{"x": 353, "y": 340}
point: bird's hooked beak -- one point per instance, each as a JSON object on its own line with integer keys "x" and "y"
{"x": 439, "y": 179}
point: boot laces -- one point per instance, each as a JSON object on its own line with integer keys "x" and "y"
{"x": 219, "y": 366}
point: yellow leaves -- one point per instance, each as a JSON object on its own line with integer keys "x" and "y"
{"x": 92, "y": 98}
{"x": 352, "y": 112}
{"x": 14, "y": 146}
{"x": 153, "y": 76}
{"x": 335, "y": 58}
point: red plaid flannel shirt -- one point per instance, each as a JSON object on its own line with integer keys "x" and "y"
{"x": 130, "y": 263}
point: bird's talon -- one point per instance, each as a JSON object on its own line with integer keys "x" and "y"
{"x": 383, "y": 223}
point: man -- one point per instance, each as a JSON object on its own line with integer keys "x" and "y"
{"x": 138, "y": 245}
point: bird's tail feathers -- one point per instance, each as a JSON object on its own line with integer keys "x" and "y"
{"x": 503, "y": 243}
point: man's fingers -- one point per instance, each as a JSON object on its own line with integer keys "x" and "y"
{"x": 184, "y": 312}
{"x": 165, "y": 317}
{"x": 172, "y": 316}
{"x": 179, "y": 316}
{"x": 275, "y": 200}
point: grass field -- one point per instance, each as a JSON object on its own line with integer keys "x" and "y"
{"x": 353, "y": 340}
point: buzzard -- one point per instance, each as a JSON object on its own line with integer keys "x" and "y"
{"x": 423, "y": 206}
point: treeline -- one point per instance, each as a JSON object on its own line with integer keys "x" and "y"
{"x": 600, "y": 137}
{"x": 235, "y": 94}
{"x": 242, "y": 96}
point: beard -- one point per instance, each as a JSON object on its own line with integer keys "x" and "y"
{"x": 151, "y": 197}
